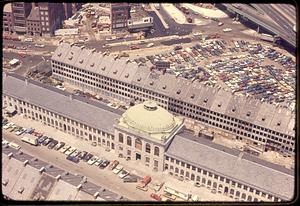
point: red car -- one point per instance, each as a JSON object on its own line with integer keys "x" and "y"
{"x": 155, "y": 196}
{"x": 134, "y": 47}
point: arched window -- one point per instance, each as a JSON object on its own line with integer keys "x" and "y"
{"x": 187, "y": 174}
{"x": 244, "y": 196}
{"x": 156, "y": 151}
{"x": 192, "y": 177}
{"x": 148, "y": 148}
{"x": 203, "y": 180}
{"x": 237, "y": 193}
{"x": 232, "y": 191}
{"x": 255, "y": 199}
{"x": 138, "y": 144}
{"x": 249, "y": 198}
{"x": 176, "y": 170}
{"x": 129, "y": 141}
{"x": 215, "y": 185}
{"x": 181, "y": 172}
{"x": 208, "y": 183}
{"x": 121, "y": 137}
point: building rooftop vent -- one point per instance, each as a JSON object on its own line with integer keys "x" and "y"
{"x": 279, "y": 123}
{"x": 59, "y": 54}
{"x": 103, "y": 68}
{"x": 193, "y": 96}
{"x": 93, "y": 64}
{"x": 115, "y": 72}
{"x": 263, "y": 119}
{"x": 151, "y": 83}
{"x": 205, "y": 100}
{"x": 81, "y": 61}
{"x": 164, "y": 87}
{"x": 179, "y": 91}
{"x": 139, "y": 79}
{"x": 233, "y": 109}
{"x": 127, "y": 75}
{"x": 248, "y": 114}
{"x": 219, "y": 105}
{"x": 70, "y": 58}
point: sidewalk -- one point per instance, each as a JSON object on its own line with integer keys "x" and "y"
{"x": 132, "y": 166}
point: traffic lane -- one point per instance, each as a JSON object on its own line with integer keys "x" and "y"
{"x": 289, "y": 8}
{"x": 291, "y": 14}
{"x": 159, "y": 29}
{"x": 96, "y": 175}
{"x": 284, "y": 22}
{"x": 29, "y": 45}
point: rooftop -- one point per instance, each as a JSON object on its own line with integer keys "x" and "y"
{"x": 194, "y": 93}
{"x": 34, "y": 14}
{"x": 7, "y": 8}
{"x": 233, "y": 164}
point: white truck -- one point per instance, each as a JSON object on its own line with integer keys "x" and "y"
{"x": 31, "y": 139}
{"x": 267, "y": 37}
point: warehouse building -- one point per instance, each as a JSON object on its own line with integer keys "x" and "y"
{"x": 153, "y": 137}
{"x": 266, "y": 126}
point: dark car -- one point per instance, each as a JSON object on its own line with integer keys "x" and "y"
{"x": 42, "y": 139}
{"x": 47, "y": 141}
{"x": 73, "y": 159}
{"x": 52, "y": 144}
{"x": 87, "y": 157}
{"x": 104, "y": 164}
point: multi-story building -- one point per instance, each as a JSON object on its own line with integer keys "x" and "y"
{"x": 119, "y": 15}
{"x": 150, "y": 135}
{"x": 51, "y": 17}
{"x": 8, "y": 20}
{"x": 262, "y": 124}
{"x": 139, "y": 20}
{"x": 20, "y": 11}
{"x": 33, "y": 22}
{"x": 68, "y": 10}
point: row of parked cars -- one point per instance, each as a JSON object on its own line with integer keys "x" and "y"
{"x": 12, "y": 127}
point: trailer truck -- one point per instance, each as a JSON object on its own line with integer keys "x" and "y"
{"x": 31, "y": 139}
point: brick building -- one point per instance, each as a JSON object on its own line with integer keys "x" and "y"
{"x": 119, "y": 15}
{"x": 33, "y": 22}
{"x": 8, "y": 20}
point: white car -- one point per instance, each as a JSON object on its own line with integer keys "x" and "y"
{"x": 64, "y": 148}
{"x": 21, "y": 131}
{"x": 7, "y": 126}
{"x": 70, "y": 151}
{"x": 98, "y": 162}
{"x": 150, "y": 45}
{"x": 92, "y": 160}
{"x": 39, "y": 45}
{"x": 5, "y": 142}
{"x": 123, "y": 174}
{"x": 60, "y": 87}
{"x": 75, "y": 153}
{"x": 117, "y": 169}
{"x": 28, "y": 40}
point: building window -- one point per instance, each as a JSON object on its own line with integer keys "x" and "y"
{"x": 147, "y": 160}
{"x": 155, "y": 163}
{"x": 129, "y": 141}
{"x": 138, "y": 144}
{"x": 129, "y": 152}
{"x": 148, "y": 148}
{"x": 121, "y": 137}
{"x": 156, "y": 151}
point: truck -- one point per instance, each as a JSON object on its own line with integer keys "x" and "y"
{"x": 31, "y": 139}
{"x": 227, "y": 30}
{"x": 143, "y": 183}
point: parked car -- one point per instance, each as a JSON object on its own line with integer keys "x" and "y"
{"x": 9, "y": 125}
{"x": 113, "y": 164}
{"x": 88, "y": 157}
{"x": 47, "y": 141}
{"x": 104, "y": 164}
{"x": 92, "y": 160}
{"x": 73, "y": 159}
{"x": 82, "y": 155}
{"x": 21, "y": 131}
{"x": 65, "y": 148}
{"x": 59, "y": 145}
{"x": 98, "y": 162}
{"x": 42, "y": 139}
{"x": 70, "y": 151}
{"x": 123, "y": 174}
{"x": 117, "y": 169}
{"x": 52, "y": 144}
{"x": 155, "y": 196}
